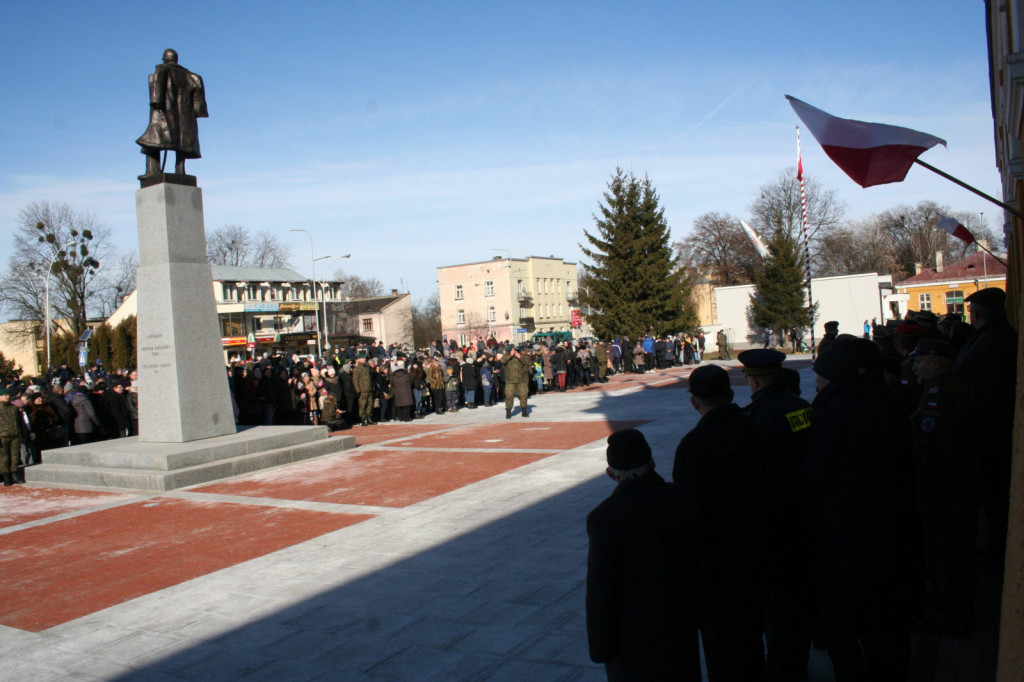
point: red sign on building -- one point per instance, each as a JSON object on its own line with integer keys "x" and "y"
{"x": 575, "y": 318}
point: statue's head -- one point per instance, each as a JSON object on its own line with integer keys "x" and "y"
{"x": 170, "y": 56}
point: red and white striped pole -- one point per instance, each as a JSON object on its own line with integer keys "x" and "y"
{"x": 807, "y": 242}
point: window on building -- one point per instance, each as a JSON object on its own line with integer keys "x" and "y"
{"x": 458, "y": 292}
{"x": 955, "y": 302}
{"x": 461, "y": 317}
{"x": 367, "y": 324}
{"x": 252, "y": 293}
{"x": 230, "y": 293}
{"x": 490, "y": 313}
{"x": 489, "y": 288}
{"x": 463, "y": 340}
{"x": 274, "y": 293}
{"x": 924, "y": 301}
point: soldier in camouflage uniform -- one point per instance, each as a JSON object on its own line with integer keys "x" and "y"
{"x": 10, "y": 439}
{"x": 518, "y": 369}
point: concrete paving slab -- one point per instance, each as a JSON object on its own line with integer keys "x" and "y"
{"x": 476, "y": 580}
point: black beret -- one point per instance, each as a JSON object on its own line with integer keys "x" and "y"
{"x": 761, "y": 361}
{"x": 993, "y": 299}
{"x": 933, "y": 347}
{"x": 628, "y": 449}
{"x": 709, "y": 381}
{"x": 832, "y": 325}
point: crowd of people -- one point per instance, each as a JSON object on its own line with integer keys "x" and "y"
{"x": 361, "y": 384}
{"x": 850, "y": 522}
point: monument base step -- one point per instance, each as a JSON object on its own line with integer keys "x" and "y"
{"x": 129, "y": 464}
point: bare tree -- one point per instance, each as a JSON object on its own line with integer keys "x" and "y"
{"x": 778, "y": 209}
{"x": 717, "y": 250}
{"x": 855, "y": 248}
{"x": 55, "y": 241}
{"x": 118, "y": 281}
{"x": 236, "y": 245}
{"x": 354, "y": 286}
{"x": 426, "y": 321}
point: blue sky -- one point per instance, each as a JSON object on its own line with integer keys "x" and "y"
{"x": 419, "y": 134}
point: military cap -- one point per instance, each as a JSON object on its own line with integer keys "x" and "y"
{"x": 627, "y": 449}
{"x": 933, "y": 347}
{"x": 832, "y": 324}
{"x": 709, "y": 381}
{"x": 837, "y": 364}
{"x": 761, "y": 362}
{"x": 993, "y": 299}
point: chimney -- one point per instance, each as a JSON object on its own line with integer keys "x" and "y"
{"x": 917, "y": 268}
{"x": 394, "y": 292}
{"x": 938, "y": 261}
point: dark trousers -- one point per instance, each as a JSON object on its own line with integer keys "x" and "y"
{"x": 867, "y": 639}
{"x": 733, "y": 639}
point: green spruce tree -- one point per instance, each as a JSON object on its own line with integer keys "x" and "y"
{"x": 779, "y": 300}
{"x": 635, "y": 284}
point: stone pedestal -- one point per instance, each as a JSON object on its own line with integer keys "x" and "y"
{"x": 183, "y": 392}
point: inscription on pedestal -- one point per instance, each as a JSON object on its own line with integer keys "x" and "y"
{"x": 156, "y": 359}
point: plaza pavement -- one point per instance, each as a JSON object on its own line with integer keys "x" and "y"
{"x": 450, "y": 548}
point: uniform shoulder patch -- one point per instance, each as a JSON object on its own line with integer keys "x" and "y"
{"x": 799, "y": 420}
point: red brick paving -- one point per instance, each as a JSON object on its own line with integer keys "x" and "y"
{"x": 528, "y": 434}
{"x": 68, "y": 569}
{"x": 21, "y": 504}
{"x": 368, "y": 435}
{"x": 385, "y": 478}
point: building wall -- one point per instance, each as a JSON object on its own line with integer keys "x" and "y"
{"x": 1005, "y": 30}
{"x": 935, "y": 294}
{"x": 502, "y": 295}
{"x": 848, "y": 299}
{"x": 19, "y": 343}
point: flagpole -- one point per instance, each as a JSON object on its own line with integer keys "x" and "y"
{"x": 807, "y": 247}
{"x": 963, "y": 184}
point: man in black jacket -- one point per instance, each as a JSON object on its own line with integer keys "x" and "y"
{"x": 987, "y": 366}
{"x": 851, "y": 492}
{"x": 644, "y": 571}
{"x": 724, "y": 461}
{"x": 787, "y": 418}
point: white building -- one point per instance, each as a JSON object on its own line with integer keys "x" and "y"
{"x": 848, "y": 299}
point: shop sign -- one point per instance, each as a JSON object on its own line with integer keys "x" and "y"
{"x": 296, "y": 307}
{"x": 575, "y": 318}
{"x": 232, "y": 341}
{"x": 260, "y": 307}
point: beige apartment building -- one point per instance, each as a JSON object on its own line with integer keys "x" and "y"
{"x": 509, "y": 298}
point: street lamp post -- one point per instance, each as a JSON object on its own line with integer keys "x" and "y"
{"x": 511, "y": 294}
{"x": 316, "y": 308}
{"x": 49, "y": 271}
{"x": 323, "y": 287}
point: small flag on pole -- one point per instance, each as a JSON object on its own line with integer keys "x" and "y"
{"x": 953, "y": 226}
{"x": 870, "y": 153}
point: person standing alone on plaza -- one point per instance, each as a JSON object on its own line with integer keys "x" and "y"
{"x": 644, "y": 571}
{"x": 518, "y": 369}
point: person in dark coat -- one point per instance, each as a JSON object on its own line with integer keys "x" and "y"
{"x": 470, "y": 378}
{"x": 789, "y": 602}
{"x": 849, "y": 493}
{"x": 721, "y": 461}
{"x": 948, "y": 490}
{"x": 987, "y": 366}
{"x": 644, "y": 571}
{"x": 401, "y": 386}
{"x": 117, "y": 405}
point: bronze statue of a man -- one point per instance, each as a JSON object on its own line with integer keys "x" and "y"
{"x": 176, "y": 100}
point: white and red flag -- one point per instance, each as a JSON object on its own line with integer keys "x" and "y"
{"x": 953, "y": 226}
{"x": 870, "y": 153}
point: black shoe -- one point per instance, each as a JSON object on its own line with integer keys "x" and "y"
{"x": 508, "y": 413}
{"x": 526, "y": 413}
{"x": 8, "y": 480}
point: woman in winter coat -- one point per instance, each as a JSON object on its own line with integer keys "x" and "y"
{"x": 88, "y": 427}
{"x": 401, "y": 387}
{"x": 435, "y": 383}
